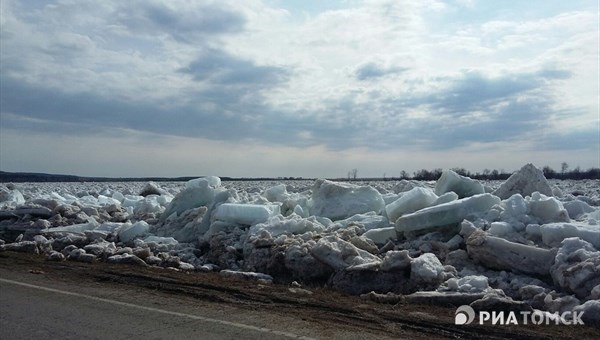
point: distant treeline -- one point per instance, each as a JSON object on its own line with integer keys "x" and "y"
{"x": 420, "y": 175}
{"x": 549, "y": 173}
{"x": 577, "y": 173}
{"x": 20, "y": 177}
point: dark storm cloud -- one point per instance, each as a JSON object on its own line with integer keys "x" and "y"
{"x": 472, "y": 108}
{"x": 184, "y": 23}
{"x": 69, "y": 110}
{"x": 231, "y": 107}
{"x": 221, "y": 68}
{"x": 371, "y": 71}
{"x": 478, "y": 108}
{"x": 474, "y": 91}
{"x": 573, "y": 140}
{"x": 518, "y": 119}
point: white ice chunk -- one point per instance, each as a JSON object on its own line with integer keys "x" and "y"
{"x": 534, "y": 230}
{"x": 129, "y": 233}
{"x": 497, "y": 253}
{"x": 500, "y": 228}
{"x": 169, "y": 241}
{"x": 247, "y": 214}
{"x": 164, "y": 200}
{"x": 447, "y": 213}
{"x": 118, "y": 196}
{"x": 151, "y": 188}
{"x": 554, "y": 233}
{"x": 148, "y": 205}
{"x": 446, "y": 198}
{"x": 526, "y": 181}
{"x": 68, "y": 198}
{"x": 131, "y": 200}
{"x": 461, "y": 185}
{"x": 252, "y": 276}
{"x": 469, "y": 284}
{"x": 299, "y": 211}
{"x": 342, "y": 200}
{"x": 390, "y": 197}
{"x": 290, "y": 202}
{"x": 577, "y": 208}
{"x": 198, "y": 192}
{"x": 75, "y": 228}
{"x": 515, "y": 206}
{"x": 100, "y": 247}
{"x": 426, "y": 268}
{"x": 368, "y": 221}
{"x": 396, "y": 260}
{"x": 59, "y": 197}
{"x": 466, "y": 229}
{"x": 277, "y": 193}
{"x": 411, "y": 201}
{"x": 547, "y": 209}
{"x": 11, "y": 197}
{"x": 339, "y": 254}
{"x": 293, "y": 224}
{"x": 577, "y": 267}
{"x": 88, "y": 201}
{"x": 103, "y": 200}
{"x": 111, "y": 227}
{"x": 406, "y": 185}
{"x": 381, "y": 235}
{"x": 212, "y": 181}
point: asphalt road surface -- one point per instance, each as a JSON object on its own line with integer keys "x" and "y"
{"x": 38, "y": 312}
{"x": 65, "y": 304}
{"x": 70, "y": 300}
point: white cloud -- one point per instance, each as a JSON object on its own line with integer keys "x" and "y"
{"x": 358, "y": 76}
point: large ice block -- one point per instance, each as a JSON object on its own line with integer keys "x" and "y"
{"x": 498, "y": 253}
{"x": 577, "y": 267}
{"x": 547, "y": 209}
{"x": 554, "y": 233}
{"x": 447, "y": 213}
{"x": 339, "y": 254}
{"x": 197, "y": 193}
{"x": 338, "y": 201}
{"x": 411, "y": 201}
{"x": 461, "y": 185}
{"x": 247, "y": 214}
{"x": 138, "y": 229}
{"x": 526, "y": 181}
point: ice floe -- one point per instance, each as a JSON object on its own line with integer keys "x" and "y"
{"x": 515, "y": 245}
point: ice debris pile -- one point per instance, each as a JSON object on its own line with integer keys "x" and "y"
{"x": 525, "y": 243}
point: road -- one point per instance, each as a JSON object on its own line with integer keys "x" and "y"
{"x": 65, "y": 302}
{"x": 72, "y": 300}
{"x": 38, "y": 312}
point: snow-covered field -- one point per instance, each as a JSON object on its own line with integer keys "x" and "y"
{"x": 526, "y": 243}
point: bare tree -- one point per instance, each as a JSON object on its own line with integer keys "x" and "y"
{"x": 353, "y": 173}
{"x": 563, "y": 167}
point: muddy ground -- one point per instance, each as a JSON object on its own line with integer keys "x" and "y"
{"x": 322, "y": 308}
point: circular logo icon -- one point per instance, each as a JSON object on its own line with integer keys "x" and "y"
{"x": 464, "y": 315}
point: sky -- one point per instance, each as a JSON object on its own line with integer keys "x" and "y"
{"x": 269, "y": 88}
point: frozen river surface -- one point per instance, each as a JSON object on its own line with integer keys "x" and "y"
{"x": 523, "y": 243}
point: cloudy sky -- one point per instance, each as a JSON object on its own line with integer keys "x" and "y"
{"x": 297, "y": 88}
